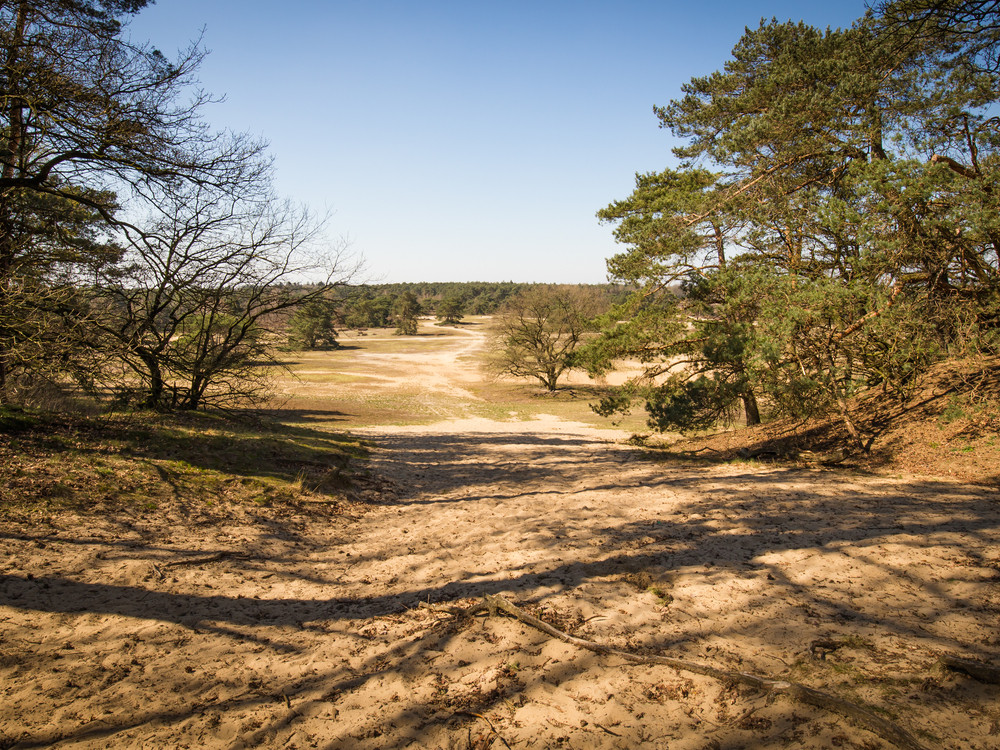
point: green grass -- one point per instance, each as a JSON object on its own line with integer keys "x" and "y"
{"x": 146, "y": 463}
{"x": 14, "y": 419}
{"x": 527, "y": 402}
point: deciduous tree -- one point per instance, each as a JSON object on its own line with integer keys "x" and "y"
{"x": 89, "y": 121}
{"x": 537, "y": 332}
{"x": 190, "y": 306}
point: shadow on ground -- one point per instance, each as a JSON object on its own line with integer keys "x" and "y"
{"x": 780, "y": 528}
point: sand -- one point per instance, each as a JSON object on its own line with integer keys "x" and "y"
{"x": 308, "y": 632}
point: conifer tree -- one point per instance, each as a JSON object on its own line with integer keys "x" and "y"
{"x": 850, "y": 180}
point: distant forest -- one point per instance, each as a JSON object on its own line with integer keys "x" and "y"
{"x": 370, "y": 305}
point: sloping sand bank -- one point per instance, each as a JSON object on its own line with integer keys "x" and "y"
{"x": 301, "y": 632}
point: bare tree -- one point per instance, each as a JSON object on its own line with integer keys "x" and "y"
{"x": 191, "y": 305}
{"x": 538, "y": 331}
{"x": 88, "y": 120}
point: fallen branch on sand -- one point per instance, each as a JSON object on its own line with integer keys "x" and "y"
{"x": 887, "y": 730}
{"x": 200, "y": 560}
{"x": 493, "y": 729}
{"x": 197, "y": 560}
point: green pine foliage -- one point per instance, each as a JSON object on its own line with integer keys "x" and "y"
{"x": 451, "y": 309}
{"x": 313, "y": 325}
{"x": 405, "y": 311}
{"x": 833, "y": 225}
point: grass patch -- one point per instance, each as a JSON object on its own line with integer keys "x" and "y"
{"x": 14, "y": 419}
{"x": 149, "y": 463}
{"x": 509, "y": 401}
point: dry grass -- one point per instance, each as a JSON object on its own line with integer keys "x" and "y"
{"x": 375, "y": 380}
{"x": 949, "y": 428}
{"x": 196, "y": 464}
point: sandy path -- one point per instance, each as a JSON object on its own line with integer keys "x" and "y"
{"x": 309, "y": 634}
{"x": 437, "y": 376}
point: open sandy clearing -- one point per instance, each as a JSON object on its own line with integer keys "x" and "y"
{"x": 378, "y": 380}
{"x": 305, "y": 632}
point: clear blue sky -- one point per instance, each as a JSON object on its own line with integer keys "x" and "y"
{"x": 463, "y": 141}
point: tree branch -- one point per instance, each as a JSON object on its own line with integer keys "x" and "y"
{"x": 887, "y": 730}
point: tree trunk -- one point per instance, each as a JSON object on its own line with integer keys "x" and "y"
{"x": 845, "y": 413}
{"x": 195, "y": 393}
{"x": 548, "y": 380}
{"x": 751, "y": 409}
{"x": 11, "y": 157}
{"x": 3, "y": 372}
{"x": 154, "y": 393}
{"x": 720, "y": 245}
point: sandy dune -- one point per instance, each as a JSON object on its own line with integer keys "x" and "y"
{"x": 303, "y": 633}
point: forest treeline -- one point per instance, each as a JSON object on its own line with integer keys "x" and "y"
{"x": 378, "y": 305}
{"x": 476, "y": 297}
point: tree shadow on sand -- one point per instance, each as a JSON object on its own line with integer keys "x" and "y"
{"x": 779, "y": 529}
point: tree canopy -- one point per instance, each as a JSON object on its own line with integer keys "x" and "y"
{"x": 131, "y": 233}
{"x": 833, "y": 221}
{"x": 537, "y": 332}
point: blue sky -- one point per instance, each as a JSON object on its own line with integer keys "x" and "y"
{"x": 462, "y": 141}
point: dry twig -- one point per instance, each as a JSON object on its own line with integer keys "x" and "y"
{"x": 492, "y": 728}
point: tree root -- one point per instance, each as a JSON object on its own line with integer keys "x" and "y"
{"x": 827, "y": 458}
{"x": 975, "y": 669}
{"x": 864, "y": 718}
